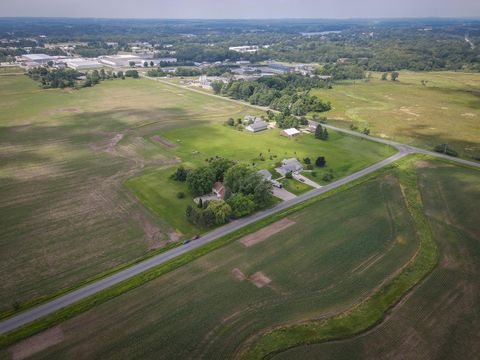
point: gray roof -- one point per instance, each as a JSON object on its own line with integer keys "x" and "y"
{"x": 292, "y": 165}
{"x": 258, "y": 125}
{"x": 265, "y": 173}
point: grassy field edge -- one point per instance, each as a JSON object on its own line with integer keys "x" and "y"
{"x": 105, "y": 295}
{"x": 373, "y": 309}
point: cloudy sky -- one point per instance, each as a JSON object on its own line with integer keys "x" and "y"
{"x": 241, "y": 8}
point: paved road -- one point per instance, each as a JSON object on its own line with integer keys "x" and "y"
{"x": 86, "y": 291}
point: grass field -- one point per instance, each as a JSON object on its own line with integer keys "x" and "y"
{"x": 445, "y": 110}
{"x": 207, "y": 308}
{"x": 295, "y": 187}
{"x": 64, "y": 155}
{"x": 344, "y": 154}
{"x": 11, "y": 70}
{"x": 441, "y": 318}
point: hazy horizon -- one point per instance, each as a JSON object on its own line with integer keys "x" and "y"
{"x": 247, "y": 9}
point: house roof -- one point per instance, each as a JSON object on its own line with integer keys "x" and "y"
{"x": 265, "y": 173}
{"x": 291, "y": 165}
{"x": 219, "y": 189}
{"x": 291, "y": 131}
{"x": 258, "y": 125}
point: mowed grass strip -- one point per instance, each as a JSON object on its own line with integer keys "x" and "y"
{"x": 444, "y": 110}
{"x": 315, "y": 267}
{"x": 440, "y": 318}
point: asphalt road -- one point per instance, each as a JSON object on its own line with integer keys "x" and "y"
{"x": 68, "y": 299}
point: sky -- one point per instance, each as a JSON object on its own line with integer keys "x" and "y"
{"x": 249, "y": 9}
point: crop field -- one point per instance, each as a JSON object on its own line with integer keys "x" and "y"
{"x": 441, "y": 318}
{"x": 444, "y": 110}
{"x": 64, "y": 154}
{"x": 209, "y": 307}
{"x": 194, "y": 144}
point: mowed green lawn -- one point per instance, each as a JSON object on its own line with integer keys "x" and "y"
{"x": 65, "y": 215}
{"x": 336, "y": 252}
{"x": 445, "y": 110}
{"x": 441, "y": 319}
{"x": 195, "y": 144}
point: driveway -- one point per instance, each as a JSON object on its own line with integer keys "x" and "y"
{"x": 283, "y": 194}
{"x": 306, "y": 180}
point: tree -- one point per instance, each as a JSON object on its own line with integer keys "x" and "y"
{"x": 220, "y": 167}
{"x": 180, "y": 174}
{"x": 132, "y": 73}
{"x": 394, "y": 76}
{"x": 221, "y": 211}
{"x": 200, "y": 181}
{"x": 50, "y": 63}
{"x": 319, "y": 132}
{"x": 217, "y": 86}
{"x": 242, "y": 205}
{"x": 230, "y": 122}
{"x": 384, "y": 76}
{"x": 145, "y": 64}
{"x": 131, "y": 63}
{"x": 320, "y": 162}
{"x": 289, "y": 175}
{"x": 120, "y": 75}
{"x": 152, "y": 64}
{"x": 327, "y": 177}
{"x": 325, "y": 134}
{"x": 307, "y": 160}
{"x": 262, "y": 194}
{"x": 366, "y": 131}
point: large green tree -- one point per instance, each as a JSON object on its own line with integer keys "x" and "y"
{"x": 242, "y": 205}
{"x": 221, "y": 211}
{"x": 200, "y": 181}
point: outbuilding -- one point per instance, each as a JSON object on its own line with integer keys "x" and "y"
{"x": 290, "y": 132}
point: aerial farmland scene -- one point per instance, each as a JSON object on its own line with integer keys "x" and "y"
{"x": 240, "y": 180}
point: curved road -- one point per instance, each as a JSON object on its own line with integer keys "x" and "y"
{"x": 68, "y": 299}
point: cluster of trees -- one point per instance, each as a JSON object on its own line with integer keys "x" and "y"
{"x": 215, "y": 212}
{"x": 190, "y": 71}
{"x": 321, "y": 132}
{"x": 57, "y": 78}
{"x": 286, "y": 121}
{"x": 63, "y": 78}
{"x": 339, "y": 71}
{"x": 246, "y": 191}
{"x": 445, "y": 149}
{"x": 285, "y": 93}
{"x": 394, "y": 76}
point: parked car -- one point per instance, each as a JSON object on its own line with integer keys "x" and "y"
{"x": 196, "y": 237}
{"x": 185, "y": 242}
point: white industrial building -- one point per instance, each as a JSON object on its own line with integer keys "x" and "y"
{"x": 38, "y": 58}
{"x": 83, "y": 64}
{"x": 244, "y": 49}
{"x": 125, "y": 60}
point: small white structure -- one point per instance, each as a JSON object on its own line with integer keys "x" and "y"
{"x": 290, "y": 132}
{"x": 244, "y": 49}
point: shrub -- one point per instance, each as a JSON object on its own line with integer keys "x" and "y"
{"x": 180, "y": 195}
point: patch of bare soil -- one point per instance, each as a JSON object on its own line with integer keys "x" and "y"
{"x": 259, "y": 279}
{"x": 238, "y": 274}
{"x": 408, "y": 111}
{"x": 163, "y": 141}
{"x": 424, "y": 164}
{"x": 36, "y": 343}
{"x": 266, "y": 232}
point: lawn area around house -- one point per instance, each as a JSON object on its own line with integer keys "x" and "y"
{"x": 295, "y": 187}
{"x": 444, "y": 110}
{"x": 228, "y": 295}
{"x": 65, "y": 215}
{"x": 193, "y": 145}
{"x": 440, "y": 319}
